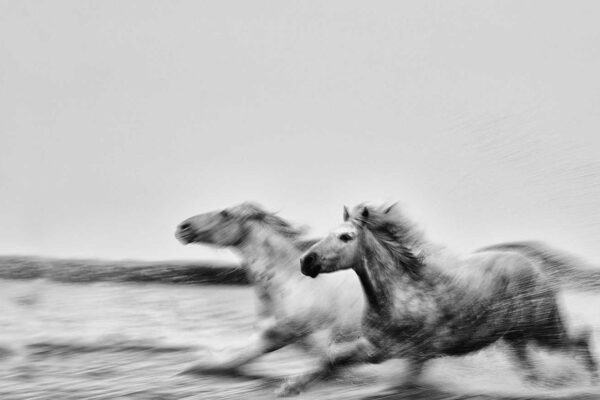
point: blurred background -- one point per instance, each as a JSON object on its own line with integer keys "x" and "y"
{"x": 120, "y": 119}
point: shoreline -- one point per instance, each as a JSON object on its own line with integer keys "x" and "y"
{"x": 98, "y": 270}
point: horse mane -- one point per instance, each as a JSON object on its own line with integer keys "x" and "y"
{"x": 391, "y": 236}
{"x": 252, "y": 211}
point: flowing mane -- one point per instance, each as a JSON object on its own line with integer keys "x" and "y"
{"x": 391, "y": 236}
{"x": 251, "y": 211}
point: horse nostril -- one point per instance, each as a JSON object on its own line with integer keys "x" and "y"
{"x": 185, "y": 226}
{"x": 309, "y": 265}
{"x": 309, "y": 259}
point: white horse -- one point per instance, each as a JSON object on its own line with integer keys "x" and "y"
{"x": 290, "y": 305}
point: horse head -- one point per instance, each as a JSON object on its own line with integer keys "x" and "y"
{"x": 380, "y": 233}
{"x": 222, "y": 228}
{"x": 338, "y": 250}
{"x": 232, "y": 227}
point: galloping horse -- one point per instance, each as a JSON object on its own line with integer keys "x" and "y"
{"x": 290, "y": 304}
{"x": 423, "y": 302}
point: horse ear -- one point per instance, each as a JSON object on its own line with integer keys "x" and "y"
{"x": 365, "y": 213}
{"x": 346, "y": 214}
{"x": 387, "y": 210}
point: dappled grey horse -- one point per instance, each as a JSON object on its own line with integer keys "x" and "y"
{"x": 424, "y": 302}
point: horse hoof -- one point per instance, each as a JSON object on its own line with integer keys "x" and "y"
{"x": 196, "y": 369}
{"x": 200, "y": 369}
{"x": 404, "y": 388}
{"x": 191, "y": 371}
{"x": 533, "y": 379}
{"x": 287, "y": 390}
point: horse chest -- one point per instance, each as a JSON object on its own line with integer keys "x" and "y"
{"x": 396, "y": 333}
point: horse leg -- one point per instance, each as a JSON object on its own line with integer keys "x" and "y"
{"x": 410, "y": 380}
{"x": 319, "y": 342}
{"x": 414, "y": 370}
{"x": 341, "y": 354}
{"x": 522, "y": 356}
{"x": 269, "y": 339}
{"x": 554, "y": 336}
{"x": 580, "y": 344}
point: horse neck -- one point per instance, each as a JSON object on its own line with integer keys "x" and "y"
{"x": 267, "y": 253}
{"x": 376, "y": 289}
{"x": 381, "y": 281}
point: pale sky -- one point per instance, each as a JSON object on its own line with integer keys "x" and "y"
{"x": 118, "y": 119}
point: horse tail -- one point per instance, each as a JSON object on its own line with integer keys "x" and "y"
{"x": 562, "y": 269}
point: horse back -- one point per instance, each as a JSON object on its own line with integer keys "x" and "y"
{"x": 519, "y": 292}
{"x": 499, "y": 271}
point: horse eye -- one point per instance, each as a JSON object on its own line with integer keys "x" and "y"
{"x": 224, "y": 214}
{"x": 345, "y": 237}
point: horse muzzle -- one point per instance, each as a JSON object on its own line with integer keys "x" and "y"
{"x": 310, "y": 265}
{"x": 185, "y": 233}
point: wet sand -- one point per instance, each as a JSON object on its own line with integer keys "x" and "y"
{"x": 120, "y": 340}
